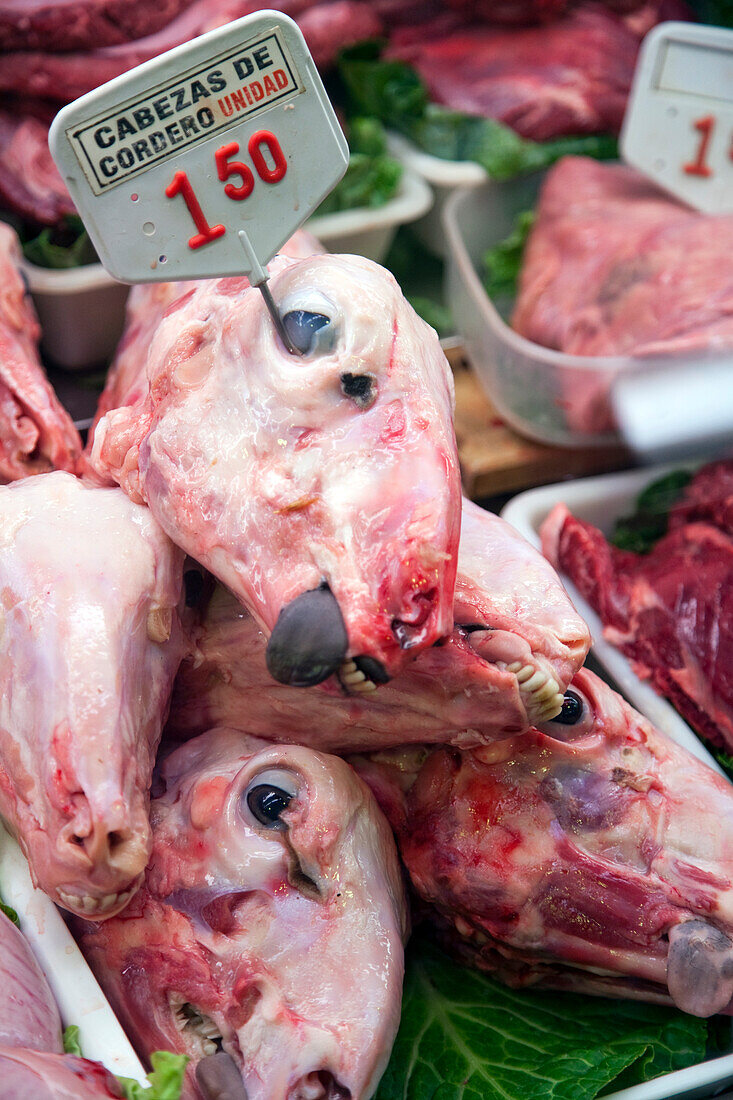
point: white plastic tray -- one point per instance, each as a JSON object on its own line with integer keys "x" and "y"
{"x": 445, "y": 177}
{"x": 79, "y": 997}
{"x": 601, "y": 501}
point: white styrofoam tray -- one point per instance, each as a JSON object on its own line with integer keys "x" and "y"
{"x": 82, "y": 310}
{"x": 601, "y": 501}
{"x": 445, "y": 177}
{"x": 79, "y": 997}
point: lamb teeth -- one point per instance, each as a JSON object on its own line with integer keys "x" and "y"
{"x": 353, "y": 680}
{"x": 525, "y": 673}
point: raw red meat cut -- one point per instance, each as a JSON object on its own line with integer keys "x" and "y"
{"x": 670, "y": 611}
{"x": 591, "y": 853}
{"x": 511, "y": 12}
{"x": 81, "y": 24}
{"x": 30, "y": 183}
{"x": 614, "y": 266}
{"x": 36, "y": 433}
{"x": 43, "y": 1076}
{"x": 62, "y": 77}
{"x": 571, "y": 76}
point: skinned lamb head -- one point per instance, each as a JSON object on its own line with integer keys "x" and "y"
{"x": 91, "y": 640}
{"x": 593, "y": 854}
{"x": 270, "y": 925}
{"x": 322, "y": 488}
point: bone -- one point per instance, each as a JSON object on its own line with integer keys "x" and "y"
{"x": 219, "y": 1079}
{"x": 309, "y": 641}
{"x": 700, "y": 968}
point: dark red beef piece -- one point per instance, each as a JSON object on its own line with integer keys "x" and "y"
{"x": 30, "y": 183}
{"x": 327, "y": 27}
{"x": 670, "y": 611}
{"x": 81, "y": 24}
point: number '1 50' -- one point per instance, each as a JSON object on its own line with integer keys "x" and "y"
{"x": 225, "y": 168}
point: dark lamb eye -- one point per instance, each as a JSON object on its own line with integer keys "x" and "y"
{"x": 572, "y": 710}
{"x": 360, "y": 388}
{"x": 304, "y": 329}
{"x": 267, "y": 803}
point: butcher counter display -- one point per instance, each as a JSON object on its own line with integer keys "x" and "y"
{"x": 262, "y": 558}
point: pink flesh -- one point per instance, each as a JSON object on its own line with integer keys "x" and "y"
{"x": 28, "y": 1013}
{"x": 461, "y": 692}
{"x": 299, "y": 979}
{"x": 63, "y": 77}
{"x": 30, "y": 1075}
{"x": 36, "y": 433}
{"x": 285, "y": 483}
{"x": 670, "y": 611}
{"x": 80, "y": 570}
{"x": 555, "y": 859}
{"x": 621, "y": 269}
{"x": 570, "y": 76}
{"x": 81, "y": 24}
{"x": 147, "y": 304}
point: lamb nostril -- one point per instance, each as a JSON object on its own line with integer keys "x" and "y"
{"x": 219, "y": 1079}
{"x": 309, "y": 641}
{"x": 321, "y": 1085}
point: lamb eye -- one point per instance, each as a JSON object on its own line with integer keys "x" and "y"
{"x": 268, "y": 797}
{"x": 308, "y": 332}
{"x": 267, "y": 804}
{"x": 572, "y": 710}
{"x": 360, "y": 388}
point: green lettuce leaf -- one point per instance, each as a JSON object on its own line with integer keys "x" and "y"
{"x": 165, "y": 1078}
{"x": 61, "y": 246}
{"x": 70, "y": 1040}
{"x": 372, "y": 177}
{"x": 9, "y": 912}
{"x": 464, "y": 1037}
{"x": 650, "y": 519}
{"x": 394, "y": 93}
{"x": 503, "y": 262}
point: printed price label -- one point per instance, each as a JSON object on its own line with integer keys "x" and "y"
{"x": 203, "y": 161}
{"x": 678, "y": 127}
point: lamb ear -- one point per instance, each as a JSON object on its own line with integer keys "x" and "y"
{"x": 116, "y": 448}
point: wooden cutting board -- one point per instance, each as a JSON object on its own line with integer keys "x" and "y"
{"x": 495, "y": 459}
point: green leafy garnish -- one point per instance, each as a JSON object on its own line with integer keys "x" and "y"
{"x": 394, "y": 93}
{"x": 61, "y": 246}
{"x": 165, "y": 1079}
{"x": 9, "y": 912}
{"x": 71, "y": 1040}
{"x": 503, "y": 262}
{"x": 464, "y": 1037}
{"x": 640, "y": 531}
{"x": 372, "y": 177}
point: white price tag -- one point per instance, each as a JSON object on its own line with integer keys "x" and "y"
{"x": 203, "y": 161}
{"x": 678, "y": 127}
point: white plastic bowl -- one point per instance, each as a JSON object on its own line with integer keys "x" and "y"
{"x": 82, "y": 312}
{"x": 365, "y": 232}
{"x": 529, "y": 384}
{"x": 445, "y": 177}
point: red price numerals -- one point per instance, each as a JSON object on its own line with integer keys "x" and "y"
{"x": 699, "y": 166}
{"x": 225, "y": 169}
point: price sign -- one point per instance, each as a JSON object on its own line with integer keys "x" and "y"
{"x": 678, "y": 128}
{"x": 203, "y": 161}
